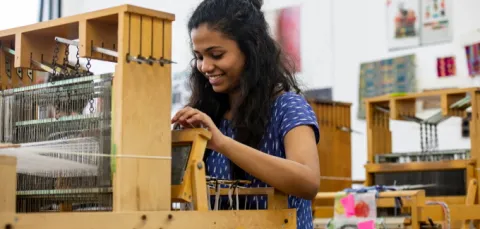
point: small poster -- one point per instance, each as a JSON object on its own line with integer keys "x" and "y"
{"x": 436, "y": 21}
{"x": 403, "y": 21}
{"x": 473, "y": 59}
{"x": 446, "y": 67}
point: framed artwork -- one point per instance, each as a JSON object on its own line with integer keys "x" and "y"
{"x": 403, "y": 23}
{"x": 436, "y": 21}
{"x": 413, "y": 23}
{"x": 388, "y": 76}
{"x": 446, "y": 67}
{"x": 285, "y": 24}
{"x": 472, "y": 53}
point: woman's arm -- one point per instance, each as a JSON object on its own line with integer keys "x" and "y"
{"x": 297, "y": 175}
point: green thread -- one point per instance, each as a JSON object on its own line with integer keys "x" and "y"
{"x": 113, "y": 158}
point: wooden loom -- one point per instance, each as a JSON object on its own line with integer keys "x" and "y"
{"x": 138, "y": 40}
{"x": 423, "y": 209}
{"x": 334, "y": 148}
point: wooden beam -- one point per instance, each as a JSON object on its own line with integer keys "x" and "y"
{"x": 141, "y": 123}
{"x": 386, "y": 98}
{"x": 457, "y": 212}
{"x": 87, "y": 16}
{"x": 8, "y": 175}
{"x": 419, "y": 166}
{"x": 154, "y": 220}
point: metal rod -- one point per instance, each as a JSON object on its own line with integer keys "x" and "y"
{"x": 8, "y": 50}
{"x": 138, "y": 59}
{"x": 43, "y": 66}
{"x": 67, "y": 41}
{"x": 96, "y": 49}
{"x": 105, "y": 51}
{"x": 115, "y": 53}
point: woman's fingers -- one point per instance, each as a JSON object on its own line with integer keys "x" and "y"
{"x": 192, "y": 118}
{"x": 187, "y": 114}
{"x": 188, "y": 117}
{"x": 180, "y": 114}
{"x": 195, "y": 119}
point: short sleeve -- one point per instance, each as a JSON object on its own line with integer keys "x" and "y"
{"x": 293, "y": 111}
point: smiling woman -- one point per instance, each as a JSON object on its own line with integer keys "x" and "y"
{"x": 245, "y": 93}
{"x": 218, "y": 58}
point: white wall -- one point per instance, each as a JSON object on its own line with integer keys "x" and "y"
{"x": 336, "y": 36}
{"x": 19, "y": 13}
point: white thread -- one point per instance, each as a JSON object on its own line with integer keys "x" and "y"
{"x": 217, "y": 197}
{"x": 78, "y": 156}
{"x": 209, "y": 198}
{"x": 40, "y": 150}
{"x": 446, "y": 211}
{"x": 236, "y": 197}
{"x": 230, "y": 197}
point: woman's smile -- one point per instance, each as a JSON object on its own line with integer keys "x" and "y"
{"x": 216, "y": 80}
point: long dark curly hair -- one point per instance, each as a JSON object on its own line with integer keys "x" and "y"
{"x": 267, "y": 70}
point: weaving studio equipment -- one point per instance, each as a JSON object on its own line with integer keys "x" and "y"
{"x": 83, "y": 150}
{"x": 334, "y": 148}
{"x": 430, "y": 189}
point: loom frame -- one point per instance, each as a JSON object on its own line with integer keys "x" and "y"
{"x": 463, "y": 209}
{"x": 334, "y": 147}
{"x": 379, "y": 136}
{"x": 142, "y": 190}
{"x": 379, "y": 140}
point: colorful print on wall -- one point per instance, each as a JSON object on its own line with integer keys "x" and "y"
{"x": 446, "y": 67}
{"x": 285, "y": 26}
{"x": 358, "y": 209}
{"x": 436, "y": 18}
{"x": 473, "y": 59}
{"x": 403, "y": 23}
{"x": 413, "y": 23}
{"x": 395, "y": 75}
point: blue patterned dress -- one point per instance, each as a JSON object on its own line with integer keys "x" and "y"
{"x": 288, "y": 111}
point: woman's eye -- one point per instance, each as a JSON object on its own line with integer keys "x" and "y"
{"x": 217, "y": 56}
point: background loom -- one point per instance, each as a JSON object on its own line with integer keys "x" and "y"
{"x": 432, "y": 200}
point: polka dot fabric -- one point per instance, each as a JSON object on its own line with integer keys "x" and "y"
{"x": 288, "y": 111}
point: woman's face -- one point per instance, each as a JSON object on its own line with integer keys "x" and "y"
{"x": 218, "y": 58}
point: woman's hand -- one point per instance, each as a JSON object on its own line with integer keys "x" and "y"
{"x": 192, "y": 118}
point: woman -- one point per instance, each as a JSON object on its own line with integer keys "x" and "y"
{"x": 246, "y": 95}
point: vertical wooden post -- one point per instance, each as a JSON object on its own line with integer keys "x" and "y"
{"x": 8, "y": 188}
{"x": 379, "y": 137}
{"x": 334, "y": 148}
{"x": 142, "y": 108}
{"x": 475, "y": 134}
{"x": 198, "y": 175}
